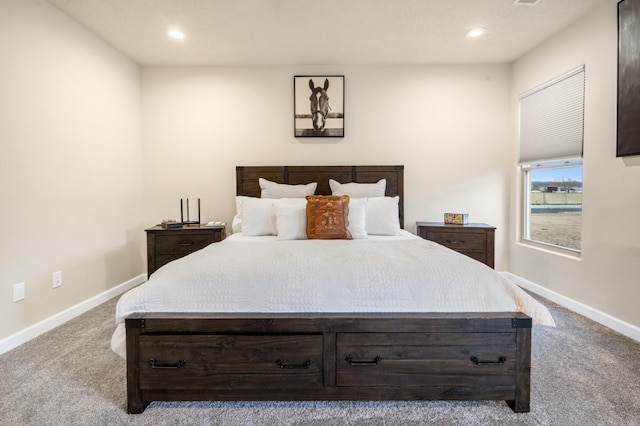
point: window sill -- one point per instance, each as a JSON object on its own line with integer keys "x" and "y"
{"x": 551, "y": 249}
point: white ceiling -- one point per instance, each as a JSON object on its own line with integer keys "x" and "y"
{"x": 271, "y": 32}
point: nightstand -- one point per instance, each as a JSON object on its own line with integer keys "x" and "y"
{"x": 165, "y": 245}
{"x": 476, "y": 240}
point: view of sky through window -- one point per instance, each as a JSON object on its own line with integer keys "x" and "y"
{"x": 553, "y": 175}
{"x": 557, "y": 174}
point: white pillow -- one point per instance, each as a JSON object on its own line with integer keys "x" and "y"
{"x": 236, "y": 224}
{"x": 280, "y": 190}
{"x": 291, "y": 220}
{"x": 382, "y": 216}
{"x": 256, "y": 216}
{"x": 358, "y": 218}
{"x": 359, "y": 190}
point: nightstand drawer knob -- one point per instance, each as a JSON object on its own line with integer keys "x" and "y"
{"x": 186, "y": 243}
{"x": 455, "y": 242}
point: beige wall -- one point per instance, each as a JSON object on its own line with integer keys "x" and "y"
{"x": 446, "y": 124}
{"x": 606, "y": 276}
{"x": 71, "y": 181}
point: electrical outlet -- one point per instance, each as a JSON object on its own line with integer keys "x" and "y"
{"x": 57, "y": 279}
{"x": 18, "y": 292}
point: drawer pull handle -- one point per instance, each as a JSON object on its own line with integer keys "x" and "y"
{"x": 455, "y": 242}
{"x": 500, "y": 361}
{"x": 186, "y": 243}
{"x": 351, "y": 361}
{"x": 154, "y": 364}
{"x": 282, "y": 364}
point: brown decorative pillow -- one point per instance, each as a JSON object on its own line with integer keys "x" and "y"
{"x": 328, "y": 217}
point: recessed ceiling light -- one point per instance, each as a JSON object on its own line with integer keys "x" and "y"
{"x": 176, "y": 34}
{"x": 476, "y": 32}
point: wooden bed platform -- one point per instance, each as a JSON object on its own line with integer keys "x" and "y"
{"x": 318, "y": 356}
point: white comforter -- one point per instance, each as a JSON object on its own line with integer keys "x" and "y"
{"x": 373, "y": 275}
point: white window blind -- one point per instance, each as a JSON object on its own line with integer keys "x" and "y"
{"x": 552, "y": 119}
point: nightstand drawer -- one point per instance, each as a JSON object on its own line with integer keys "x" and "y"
{"x": 459, "y": 241}
{"x": 166, "y": 245}
{"x": 476, "y": 240}
{"x": 162, "y": 259}
{"x": 186, "y": 243}
{"x": 480, "y": 256}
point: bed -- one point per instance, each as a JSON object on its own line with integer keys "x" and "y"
{"x": 260, "y": 318}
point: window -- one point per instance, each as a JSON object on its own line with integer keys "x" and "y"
{"x": 551, "y": 136}
{"x": 553, "y": 200}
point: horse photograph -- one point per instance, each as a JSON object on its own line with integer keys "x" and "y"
{"x": 318, "y": 106}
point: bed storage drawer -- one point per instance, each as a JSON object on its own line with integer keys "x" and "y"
{"x": 230, "y": 361}
{"x": 419, "y": 359}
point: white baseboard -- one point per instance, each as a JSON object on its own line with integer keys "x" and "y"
{"x": 607, "y": 320}
{"x": 23, "y": 336}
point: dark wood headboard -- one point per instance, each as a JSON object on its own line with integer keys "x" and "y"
{"x": 247, "y": 178}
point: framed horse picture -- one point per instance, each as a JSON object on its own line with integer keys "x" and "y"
{"x": 318, "y": 106}
{"x": 628, "y": 142}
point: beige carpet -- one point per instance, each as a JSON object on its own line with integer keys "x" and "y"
{"x": 582, "y": 374}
